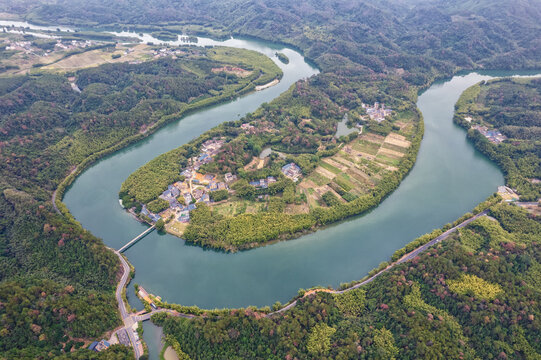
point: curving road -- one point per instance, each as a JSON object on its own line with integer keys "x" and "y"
{"x": 406, "y": 257}
{"x": 128, "y": 318}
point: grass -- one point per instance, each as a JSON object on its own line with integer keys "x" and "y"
{"x": 388, "y": 160}
{"x": 366, "y": 147}
{"x": 250, "y": 59}
{"x": 319, "y": 179}
{"x": 394, "y": 147}
{"x": 344, "y": 181}
{"x": 177, "y": 228}
{"x": 98, "y": 57}
{"x": 330, "y": 168}
{"x": 237, "y": 207}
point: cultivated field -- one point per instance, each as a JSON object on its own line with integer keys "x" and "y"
{"x": 355, "y": 169}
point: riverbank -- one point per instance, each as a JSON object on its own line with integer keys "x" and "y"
{"x": 266, "y": 86}
{"x": 185, "y": 111}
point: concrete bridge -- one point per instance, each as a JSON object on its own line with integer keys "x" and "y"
{"x": 137, "y": 238}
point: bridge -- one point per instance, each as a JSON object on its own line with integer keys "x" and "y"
{"x": 137, "y": 238}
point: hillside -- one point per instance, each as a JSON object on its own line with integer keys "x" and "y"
{"x": 504, "y": 122}
{"x": 57, "y": 279}
{"x": 476, "y": 295}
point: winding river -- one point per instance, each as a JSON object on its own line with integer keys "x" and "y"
{"x": 448, "y": 179}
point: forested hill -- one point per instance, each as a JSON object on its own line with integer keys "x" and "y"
{"x": 474, "y": 296}
{"x": 57, "y": 280}
{"x": 511, "y": 107}
{"x": 373, "y": 33}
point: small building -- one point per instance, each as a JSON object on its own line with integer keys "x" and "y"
{"x": 205, "y": 198}
{"x": 230, "y": 177}
{"x": 198, "y": 194}
{"x": 102, "y": 345}
{"x": 184, "y": 216}
{"x": 187, "y": 173}
{"x": 174, "y": 191}
{"x": 292, "y": 171}
{"x": 144, "y": 295}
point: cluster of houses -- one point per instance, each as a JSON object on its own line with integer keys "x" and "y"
{"x": 494, "y": 136}
{"x": 263, "y": 183}
{"x": 26, "y": 46}
{"x": 19, "y": 45}
{"x": 164, "y": 52}
{"x": 182, "y": 196}
{"x": 378, "y": 112}
{"x": 292, "y": 171}
{"x": 73, "y": 44}
{"x": 196, "y": 187}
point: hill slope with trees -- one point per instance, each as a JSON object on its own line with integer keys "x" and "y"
{"x": 397, "y": 46}
{"x": 474, "y": 296}
{"x": 512, "y": 107}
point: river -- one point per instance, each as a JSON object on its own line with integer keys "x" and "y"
{"x": 449, "y": 178}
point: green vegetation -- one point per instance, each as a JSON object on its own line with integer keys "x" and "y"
{"x": 387, "y": 52}
{"x": 301, "y": 124}
{"x": 447, "y": 303}
{"x": 282, "y": 57}
{"x": 157, "y": 205}
{"x": 165, "y": 35}
{"x": 57, "y": 281}
{"x": 319, "y": 340}
{"x": 512, "y": 107}
{"x": 264, "y": 69}
{"x": 473, "y": 285}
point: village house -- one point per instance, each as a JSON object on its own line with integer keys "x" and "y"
{"x": 146, "y": 297}
{"x": 187, "y": 198}
{"x": 230, "y": 177}
{"x": 184, "y": 216}
{"x": 494, "y": 136}
{"x": 292, "y": 171}
{"x": 99, "y": 346}
{"x": 263, "y": 183}
{"x": 153, "y": 217}
{"x": 377, "y": 112}
{"x": 222, "y": 186}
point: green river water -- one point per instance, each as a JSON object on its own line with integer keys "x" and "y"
{"x": 448, "y": 179}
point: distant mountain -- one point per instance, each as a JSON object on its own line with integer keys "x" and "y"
{"x": 494, "y": 34}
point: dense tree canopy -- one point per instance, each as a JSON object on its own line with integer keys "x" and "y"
{"x": 450, "y": 302}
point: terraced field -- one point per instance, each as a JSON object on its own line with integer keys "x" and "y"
{"x": 355, "y": 169}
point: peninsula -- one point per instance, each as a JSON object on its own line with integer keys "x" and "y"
{"x": 277, "y": 173}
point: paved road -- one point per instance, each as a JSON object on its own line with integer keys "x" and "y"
{"x": 403, "y": 259}
{"x": 128, "y": 318}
